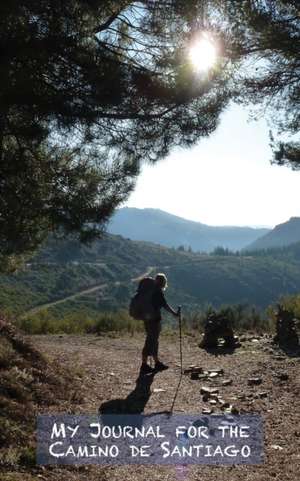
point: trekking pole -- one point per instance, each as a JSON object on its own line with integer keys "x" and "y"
{"x": 180, "y": 351}
{"x": 180, "y": 338}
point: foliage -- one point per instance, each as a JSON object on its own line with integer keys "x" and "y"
{"x": 291, "y": 303}
{"x": 223, "y": 251}
{"x": 285, "y": 253}
{"x": 265, "y": 38}
{"x": 241, "y": 317}
{"x": 79, "y": 322}
{"x": 88, "y": 90}
{"x": 233, "y": 279}
{"x": 66, "y": 271}
{"x": 29, "y": 383}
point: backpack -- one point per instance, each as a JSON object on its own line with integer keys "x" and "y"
{"x": 140, "y": 306}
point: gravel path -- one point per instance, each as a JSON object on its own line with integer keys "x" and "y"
{"x": 108, "y": 368}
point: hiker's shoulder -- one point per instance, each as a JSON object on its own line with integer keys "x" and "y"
{"x": 158, "y": 292}
{"x": 147, "y": 283}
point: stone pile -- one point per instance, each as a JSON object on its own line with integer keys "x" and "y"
{"x": 286, "y": 333}
{"x": 210, "y": 394}
{"x": 218, "y": 327}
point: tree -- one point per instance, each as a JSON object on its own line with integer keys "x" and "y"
{"x": 91, "y": 88}
{"x": 88, "y": 90}
{"x": 265, "y": 38}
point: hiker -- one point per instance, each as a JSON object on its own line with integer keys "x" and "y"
{"x": 153, "y": 325}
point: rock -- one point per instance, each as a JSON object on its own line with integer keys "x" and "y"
{"x": 227, "y": 382}
{"x": 207, "y": 411}
{"x": 213, "y": 374}
{"x": 263, "y": 394}
{"x": 210, "y": 397}
{"x": 212, "y": 401}
{"x": 254, "y": 381}
{"x": 197, "y": 369}
{"x": 276, "y": 447}
{"x": 193, "y": 368}
{"x": 231, "y": 410}
{"x": 219, "y": 372}
{"x": 217, "y": 332}
{"x": 194, "y": 376}
{"x": 208, "y": 391}
{"x": 158, "y": 389}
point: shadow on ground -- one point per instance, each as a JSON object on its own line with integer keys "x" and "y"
{"x": 289, "y": 351}
{"x": 219, "y": 350}
{"x": 135, "y": 402}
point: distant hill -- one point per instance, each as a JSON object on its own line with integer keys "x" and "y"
{"x": 282, "y": 235}
{"x": 67, "y": 278}
{"x": 157, "y": 226}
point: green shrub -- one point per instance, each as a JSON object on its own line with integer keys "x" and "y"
{"x": 241, "y": 317}
{"x": 78, "y": 322}
{"x": 119, "y": 321}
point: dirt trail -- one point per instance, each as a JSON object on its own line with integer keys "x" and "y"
{"x": 109, "y": 367}
{"x": 84, "y": 292}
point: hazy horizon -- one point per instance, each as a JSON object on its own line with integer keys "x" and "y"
{"x": 192, "y": 220}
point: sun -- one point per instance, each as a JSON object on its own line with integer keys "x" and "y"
{"x": 203, "y": 54}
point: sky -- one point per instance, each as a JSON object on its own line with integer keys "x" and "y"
{"x": 226, "y": 179}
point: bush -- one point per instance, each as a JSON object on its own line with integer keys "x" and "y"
{"x": 241, "y": 317}
{"x": 78, "y": 322}
{"x": 119, "y": 321}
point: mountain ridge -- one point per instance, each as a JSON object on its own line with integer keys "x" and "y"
{"x": 170, "y": 230}
{"x": 282, "y": 235}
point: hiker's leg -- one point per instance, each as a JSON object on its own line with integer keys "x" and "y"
{"x": 155, "y": 340}
{"x": 152, "y": 328}
{"x": 147, "y": 349}
{"x": 159, "y": 366}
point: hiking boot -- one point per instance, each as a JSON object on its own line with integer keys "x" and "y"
{"x": 145, "y": 369}
{"x": 160, "y": 366}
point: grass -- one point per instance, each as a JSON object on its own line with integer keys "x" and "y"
{"x": 90, "y": 321}
{"x": 28, "y": 384}
{"x": 80, "y": 321}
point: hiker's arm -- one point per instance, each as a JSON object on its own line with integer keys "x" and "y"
{"x": 171, "y": 310}
{"x": 167, "y": 307}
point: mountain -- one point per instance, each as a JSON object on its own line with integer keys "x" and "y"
{"x": 67, "y": 278}
{"x": 282, "y": 235}
{"x": 157, "y": 226}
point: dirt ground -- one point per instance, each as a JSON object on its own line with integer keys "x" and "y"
{"x": 108, "y": 368}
